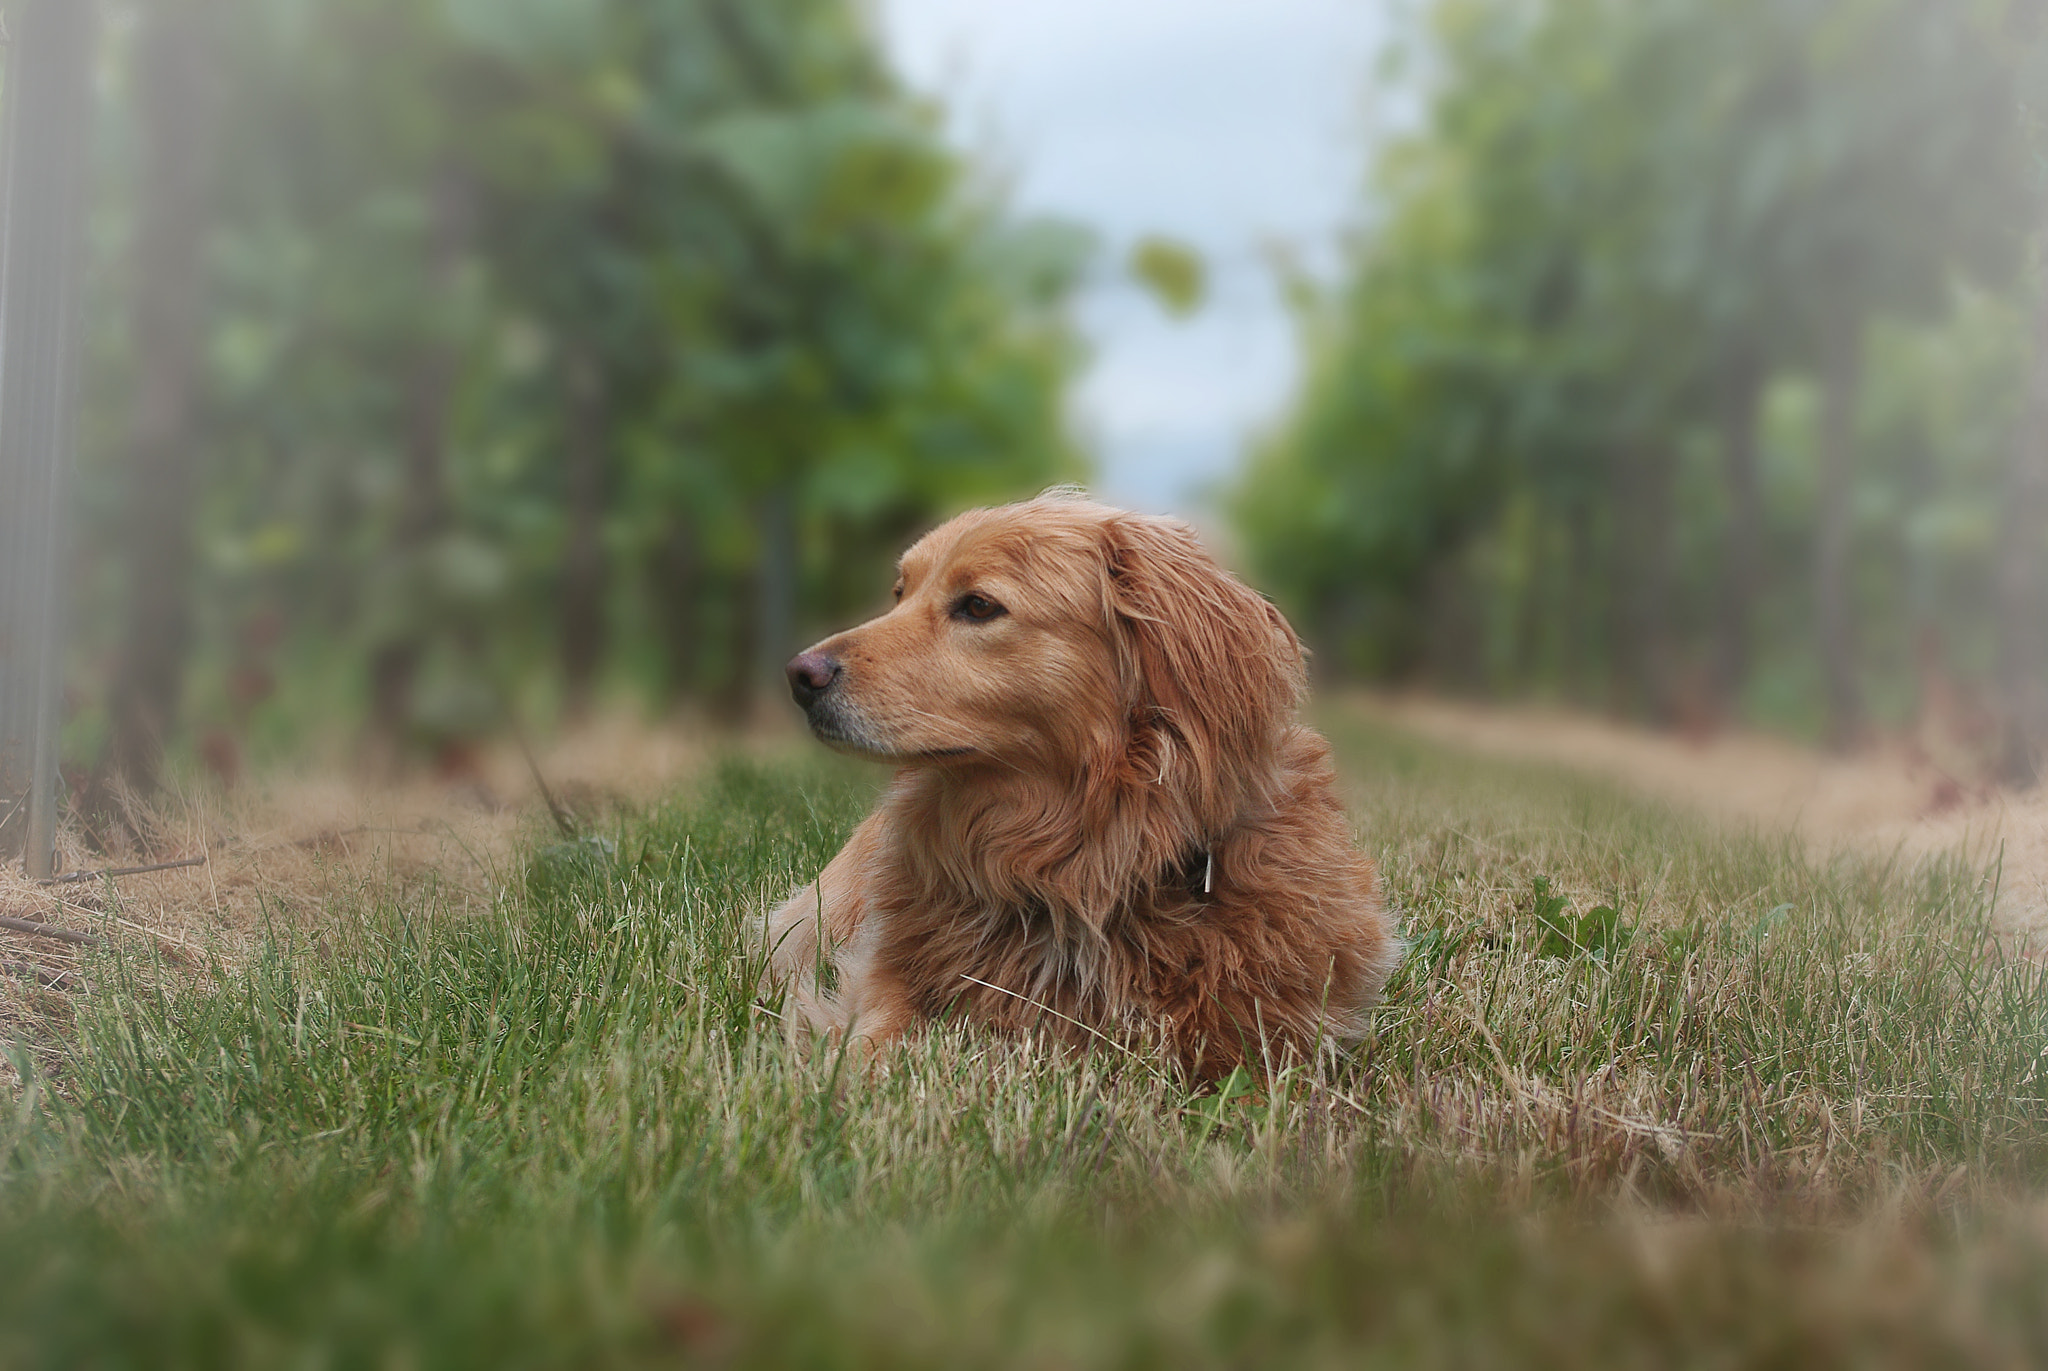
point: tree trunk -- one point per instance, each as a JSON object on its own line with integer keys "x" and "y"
{"x": 423, "y": 517}
{"x": 1450, "y": 636}
{"x": 777, "y": 583}
{"x": 736, "y": 696}
{"x": 1526, "y": 652}
{"x": 426, "y": 512}
{"x": 45, "y": 142}
{"x": 177, "y": 84}
{"x": 584, "y": 570}
{"x": 2023, "y": 710}
{"x": 1532, "y": 599}
{"x": 1834, "y": 625}
{"x": 1656, "y": 641}
{"x": 1643, "y": 647}
{"x": 1743, "y": 547}
{"x": 1623, "y": 689}
{"x": 1576, "y": 610}
{"x": 676, "y": 572}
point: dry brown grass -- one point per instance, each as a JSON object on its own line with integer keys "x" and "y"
{"x": 1893, "y": 799}
{"x": 285, "y": 848}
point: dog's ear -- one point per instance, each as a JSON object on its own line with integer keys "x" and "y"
{"x": 1213, "y": 669}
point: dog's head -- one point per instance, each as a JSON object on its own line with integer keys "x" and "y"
{"x": 1064, "y": 639}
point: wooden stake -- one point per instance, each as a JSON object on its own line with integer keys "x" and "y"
{"x": 42, "y": 186}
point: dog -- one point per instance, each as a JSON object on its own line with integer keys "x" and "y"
{"x": 1106, "y": 821}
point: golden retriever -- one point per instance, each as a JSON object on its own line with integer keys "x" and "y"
{"x": 1106, "y": 820}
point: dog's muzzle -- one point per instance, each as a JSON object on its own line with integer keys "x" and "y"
{"x": 811, "y": 674}
{"x": 813, "y": 677}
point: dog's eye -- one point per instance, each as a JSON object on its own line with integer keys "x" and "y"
{"x": 978, "y": 607}
{"x": 898, "y": 591}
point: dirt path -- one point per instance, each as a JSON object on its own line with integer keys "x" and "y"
{"x": 1882, "y": 801}
{"x": 276, "y": 854}
{"x": 280, "y": 853}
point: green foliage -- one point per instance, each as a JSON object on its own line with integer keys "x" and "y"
{"x": 519, "y": 313}
{"x": 1618, "y": 235}
{"x": 1173, "y": 272}
{"x": 1595, "y": 933}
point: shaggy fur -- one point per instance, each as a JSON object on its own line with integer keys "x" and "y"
{"x": 1092, "y": 722}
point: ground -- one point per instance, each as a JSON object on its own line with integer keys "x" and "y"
{"x": 420, "y": 1078}
{"x": 1890, "y": 801}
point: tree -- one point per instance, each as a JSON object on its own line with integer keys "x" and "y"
{"x": 533, "y": 338}
{"x": 177, "y": 85}
{"x": 1617, "y": 232}
{"x": 2022, "y": 606}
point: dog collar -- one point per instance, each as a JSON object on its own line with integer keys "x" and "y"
{"x": 1198, "y": 872}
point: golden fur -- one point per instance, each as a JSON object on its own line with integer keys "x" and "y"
{"x": 1074, "y": 768}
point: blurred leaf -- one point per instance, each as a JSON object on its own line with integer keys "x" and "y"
{"x": 1173, "y": 272}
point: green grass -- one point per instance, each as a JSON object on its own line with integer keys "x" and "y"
{"x": 1644, "y": 1093}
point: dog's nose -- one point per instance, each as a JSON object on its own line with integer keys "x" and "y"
{"x": 811, "y": 674}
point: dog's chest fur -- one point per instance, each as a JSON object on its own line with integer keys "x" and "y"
{"x": 1054, "y": 912}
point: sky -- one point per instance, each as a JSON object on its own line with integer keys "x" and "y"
{"x": 1233, "y": 126}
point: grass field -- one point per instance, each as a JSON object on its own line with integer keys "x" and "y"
{"x": 1645, "y": 1093}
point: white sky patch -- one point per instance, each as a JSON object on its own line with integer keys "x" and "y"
{"x": 1231, "y": 125}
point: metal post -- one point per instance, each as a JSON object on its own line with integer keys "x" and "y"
{"x": 42, "y": 250}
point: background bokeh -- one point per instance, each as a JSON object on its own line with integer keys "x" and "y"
{"x": 456, "y": 367}
{"x": 1683, "y": 368}
{"x": 455, "y": 363}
